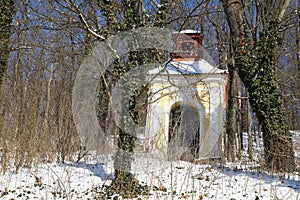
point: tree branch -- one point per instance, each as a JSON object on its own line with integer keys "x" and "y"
{"x": 282, "y": 8}
{"x": 82, "y": 19}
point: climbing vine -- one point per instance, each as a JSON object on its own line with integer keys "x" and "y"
{"x": 258, "y": 75}
{"x": 6, "y": 14}
{"x": 131, "y": 88}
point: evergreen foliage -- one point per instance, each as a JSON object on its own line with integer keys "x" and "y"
{"x": 124, "y": 182}
{"x": 6, "y": 13}
{"x": 258, "y": 75}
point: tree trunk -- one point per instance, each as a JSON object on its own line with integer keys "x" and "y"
{"x": 255, "y": 66}
{"x": 232, "y": 126}
{"x": 6, "y": 14}
{"x": 297, "y": 112}
{"x": 239, "y": 130}
{"x": 249, "y": 130}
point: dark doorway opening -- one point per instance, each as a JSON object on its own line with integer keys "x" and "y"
{"x": 183, "y": 137}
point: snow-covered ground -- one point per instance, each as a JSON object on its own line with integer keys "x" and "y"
{"x": 177, "y": 180}
{"x": 168, "y": 180}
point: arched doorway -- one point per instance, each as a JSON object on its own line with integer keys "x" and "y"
{"x": 183, "y": 135}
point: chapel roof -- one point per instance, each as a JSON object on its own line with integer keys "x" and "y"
{"x": 186, "y": 67}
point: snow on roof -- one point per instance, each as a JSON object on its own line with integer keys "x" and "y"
{"x": 186, "y": 67}
{"x": 188, "y": 31}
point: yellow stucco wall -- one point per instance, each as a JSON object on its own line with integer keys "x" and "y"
{"x": 164, "y": 96}
{"x": 170, "y": 94}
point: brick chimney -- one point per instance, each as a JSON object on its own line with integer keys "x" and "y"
{"x": 188, "y": 45}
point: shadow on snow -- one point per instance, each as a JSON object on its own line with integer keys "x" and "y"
{"x": 97, "y": 169}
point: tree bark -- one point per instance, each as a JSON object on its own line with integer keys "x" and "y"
{"x": 235, "y": 21}
{"x": 231, "y": 126}
{"x": 255, "y": 67}
{"x": 297, "y": 114}
{"x": 6, "y": 14}
{"x": 249, "y": 130}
